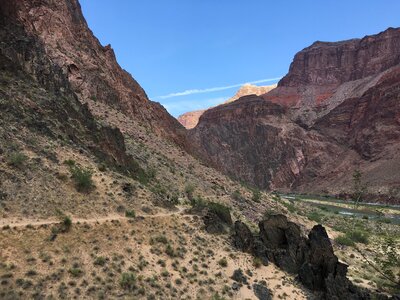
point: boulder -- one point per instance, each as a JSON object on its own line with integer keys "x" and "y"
{"x": 261, "y": 292}
{"x": 239, "y": 277}
{"x": 243, "y": 239}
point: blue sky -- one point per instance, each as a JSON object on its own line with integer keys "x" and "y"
{"x": 182, "y": 51}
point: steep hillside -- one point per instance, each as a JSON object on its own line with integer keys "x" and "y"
{"x": 190, "y": 119}
{"x": 91, "y": 69}
{"x": 96, "y": 202}
{"x": 343, "y": 95}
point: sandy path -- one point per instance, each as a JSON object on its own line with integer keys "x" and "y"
{"x": 23, "y": 222}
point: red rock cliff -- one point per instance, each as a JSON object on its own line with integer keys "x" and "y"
{"x": 335, "y": 111}
{"x": 92, "y": 69}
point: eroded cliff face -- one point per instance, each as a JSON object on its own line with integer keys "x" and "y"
{"x": 337, "y": 110}
{"x": 325, "y": 74}
{"x": 253, "y": 139}
{"x": 91, "y": 69}
{"x": 40, "y": 98}
{"x": 190, "y": 119}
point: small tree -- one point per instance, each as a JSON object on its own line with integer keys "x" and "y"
{"x": 359, "y": 187}
{"x": 83, "y": 179}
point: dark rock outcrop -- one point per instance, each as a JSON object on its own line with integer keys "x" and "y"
{"x": 284, "y": 242}
{"x": 238, "y": 276}
{"x": 244, "y": 240}
{"x": 312, "y": 257}
{"x": 262, "y": 292}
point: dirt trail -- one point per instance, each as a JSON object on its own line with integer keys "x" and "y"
{"x": 22, "y": 222}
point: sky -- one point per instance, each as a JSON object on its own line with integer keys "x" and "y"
{"x": 193, "y": 54}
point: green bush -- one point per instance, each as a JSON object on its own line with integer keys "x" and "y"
{"x": 189, "y": 190}
{"x": 222, "y": 211}
{"x": 216, "y": 296}
{"x": 69, "y": 162}
{"x": 75, "y": 272}
{"x": 385, "y": 220}
{"x": 257, "y": 262}
{"x": 159, "y": 239}
{"x": 358, "y": 236}
{"x": 169, "y": 250}
{"x": 83, "y": 178}
{"x": 344, "y": 240}
{"x": 290, "y": 206}
{"x": 351, "y": 237}
{"x": 66, "y": 224}
{"x": 256, "y": 196}
{"x": 17, "y": 159}
{"x": 315, "y": 216}
{"x": 100, "y": 261}
{"x": 223, "y": 262}
{"x": 130, "y": 213}
{"x": 128, "y": 281}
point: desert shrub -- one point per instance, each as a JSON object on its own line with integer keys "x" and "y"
{"x": 189, "y": 190}
{"x": 221, "y": 210}
{"x": 358, "y": 236}
{"x": 128, "y": 281}
{"x": 197, "y": 202}
{"x": 130, "y": 213}
{"x": 315, "y": 216}
{"x": 69, "y": 162}
{"x": 351, "y": 237}
{"x": 102, "y": 168}
{"x": 75, "y": 272}
{"x": 159, "y": 239}
{"x": 169, "y": 250}
{"x": 223, "y": 262}
{"x": 216, "y": 296}
{"x": 174, "y": 198}
{"x": 17, "y": 159}
{"x": 344, "y": 240}
{"x": 236, "y": 195}
{"x": 257, "y": 262}
{"x": 290, "y": 206}
{"x": 256, "y": 196}
{"x": 385, "y": 220}
{"x": 144, "y": 177}
{"x": 390, "y": 259}
{"x": 83, "y": 178}
{"x": 66, "y": 224}
{"x": 100, "y": 261}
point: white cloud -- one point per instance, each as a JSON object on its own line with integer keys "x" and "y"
{"x": 178, "y": 107}
{"x": 213, "y": 89}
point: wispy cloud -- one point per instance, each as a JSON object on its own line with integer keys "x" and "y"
{"x": 177, "y": 108}
{"x": 213, "y": 89}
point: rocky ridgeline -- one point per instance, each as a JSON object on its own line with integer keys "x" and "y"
{"x": 336, "y": 110}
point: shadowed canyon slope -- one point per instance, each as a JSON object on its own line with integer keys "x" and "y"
{"x": 91, "y": 69}
{"x": 335, "y": 111}
{"x": 190, "y": 119}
